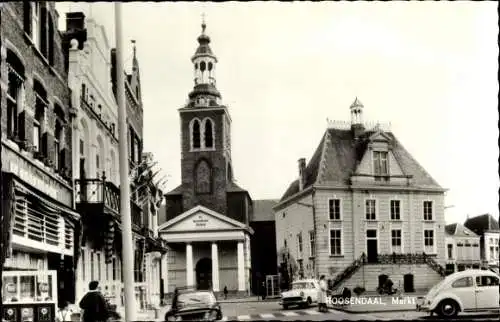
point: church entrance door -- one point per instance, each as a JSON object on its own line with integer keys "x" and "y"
{"x": 204, "y": 274}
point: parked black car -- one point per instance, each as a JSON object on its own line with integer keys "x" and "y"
{"x": 194, "y": 305}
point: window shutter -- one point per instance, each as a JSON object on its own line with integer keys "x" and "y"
{"x": 45, "y": 144}
{"x": 62, "y": 160}
{"x": 25, "y": 128}
{"x": 43, "y": 31}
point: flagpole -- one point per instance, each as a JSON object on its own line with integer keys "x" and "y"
{"x": 126, "y": 221}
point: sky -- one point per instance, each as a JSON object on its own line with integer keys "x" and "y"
{"x": 429, "y": 68}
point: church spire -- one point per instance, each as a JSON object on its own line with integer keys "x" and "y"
{"x": 204, "y": 62}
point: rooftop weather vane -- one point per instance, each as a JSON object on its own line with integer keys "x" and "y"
{"x": 203, "y": 24}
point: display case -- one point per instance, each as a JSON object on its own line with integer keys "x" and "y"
{"x": 29, "y": 296}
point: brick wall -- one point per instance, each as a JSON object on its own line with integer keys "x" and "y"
{"x": 36, "y": 66}
{"x": 216, "y": 200}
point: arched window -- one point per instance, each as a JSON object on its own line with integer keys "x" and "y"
{"x": 196, "y": 133}
{"x": 210, "y": 65}
{"x": 209, "y": 139}
{"x": 203, "y": 177}
{"x": 203, "y": 66}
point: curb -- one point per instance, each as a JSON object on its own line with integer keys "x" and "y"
{"x": 247, "y": 301}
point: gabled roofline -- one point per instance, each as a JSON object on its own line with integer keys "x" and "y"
{"x": 302, "y": 193}
{"x": 208, "y": 211}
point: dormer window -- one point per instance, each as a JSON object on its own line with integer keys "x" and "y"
{"x": 380, "y": 165}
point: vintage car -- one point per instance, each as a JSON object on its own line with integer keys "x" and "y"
{"x": 303, "y": 293}
{"x": 471, "y": 290}
{"x": 194, "y": 305}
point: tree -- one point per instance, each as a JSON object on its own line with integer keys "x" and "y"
{"x": 289, "y": 267}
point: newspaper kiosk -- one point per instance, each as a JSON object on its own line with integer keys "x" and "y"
{"x": 29, "y": 296}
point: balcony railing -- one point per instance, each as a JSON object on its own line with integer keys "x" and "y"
{"x": 100, "y": 191}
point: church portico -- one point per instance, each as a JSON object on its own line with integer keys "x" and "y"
{"x": 207, "y": 251}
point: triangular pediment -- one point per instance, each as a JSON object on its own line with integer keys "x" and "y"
{"x": 379, "y": 136}
{"x": 200, "y": 218}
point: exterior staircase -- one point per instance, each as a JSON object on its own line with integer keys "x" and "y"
{"x": 388, "y": 259}
{"x": 349, "y": 271}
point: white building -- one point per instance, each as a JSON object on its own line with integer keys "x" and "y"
{"x": 96, "y": 164}
{"x": 487, "y": 228}
{"x": 462, "y": 248}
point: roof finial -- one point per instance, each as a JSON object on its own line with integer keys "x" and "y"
{"x": 203, "y": 24}
{"x": 133, "y": 44}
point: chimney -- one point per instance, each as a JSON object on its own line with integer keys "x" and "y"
{"x": 302, "y": 167}
{"x": 75, "y": 21}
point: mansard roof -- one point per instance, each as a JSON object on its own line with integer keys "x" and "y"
{"x": 459, "y": 230}
{"x": 482, "y": 223}
{"x": 339, "y": 153}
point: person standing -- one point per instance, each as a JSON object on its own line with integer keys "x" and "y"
{"x": 322, "y": 294}
{"x": 225, "y": 292}
{"x": 263, "y": 290}
{"x": 94, "y": 305}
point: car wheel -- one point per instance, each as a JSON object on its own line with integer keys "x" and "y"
{"x": 448, "y": 308}
{"x": 285, "y": 307}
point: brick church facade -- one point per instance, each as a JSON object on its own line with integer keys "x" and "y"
{"x": 207, "y": 217}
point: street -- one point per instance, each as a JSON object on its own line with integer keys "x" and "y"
{"x": 270, "y": 310}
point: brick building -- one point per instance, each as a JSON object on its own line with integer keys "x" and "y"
{"x": 91, "y": 66}
{"x": 207, "y": 216}
{"x": 361, "y": 205}
{"x": 40, "y": 224}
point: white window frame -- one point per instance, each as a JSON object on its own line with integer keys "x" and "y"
{"x": 433, "y": 240}
{"x": 386, "y": 162}
{"x": 341, "y": 241}
{"x": 205, "y": 148}
{"x": 366, "y": 208}
{"x": 36, "y": 10}
{"x": 191, "y": 136}
{"x": 37, "y": 136}
{"x": 312, "y": 244}
{"x": 432, "y": 211}
{"x": 340, "y": 208}
{"x": 376, "y": 238}
{"x": 400, "y": 209}
{"x": 401, "y": 239}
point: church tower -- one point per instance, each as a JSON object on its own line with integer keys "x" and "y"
{"x": 205, "y": 132}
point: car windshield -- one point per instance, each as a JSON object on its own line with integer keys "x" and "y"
{"x": 302, "y": 285}
{"x": 195, "y": 298}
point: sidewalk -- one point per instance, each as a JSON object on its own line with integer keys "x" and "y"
{"x": 379, "y": 303}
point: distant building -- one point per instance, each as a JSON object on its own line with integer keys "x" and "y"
{"x": 361, "y": 205}
{"x": 92, "y": 78}
{"x": 462, "y": 248}
{"x": 263, "y": 242}
{"x": 486, "y": 226}
{"x": 207, "y": 217}
{"x": 40, "y": 225}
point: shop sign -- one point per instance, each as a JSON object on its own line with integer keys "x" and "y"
{"x": 31, "y": 177}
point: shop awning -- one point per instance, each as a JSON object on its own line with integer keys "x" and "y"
{"x": 43, "y": 200}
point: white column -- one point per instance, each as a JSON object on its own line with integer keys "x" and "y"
{"x": 241, "y": 267}
{"x": 164, "y": 272}
{"x": 215, "y": 267}
{"x": 189, "y": 265}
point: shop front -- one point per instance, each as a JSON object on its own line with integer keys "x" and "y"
{"x": 40, "y": 232}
